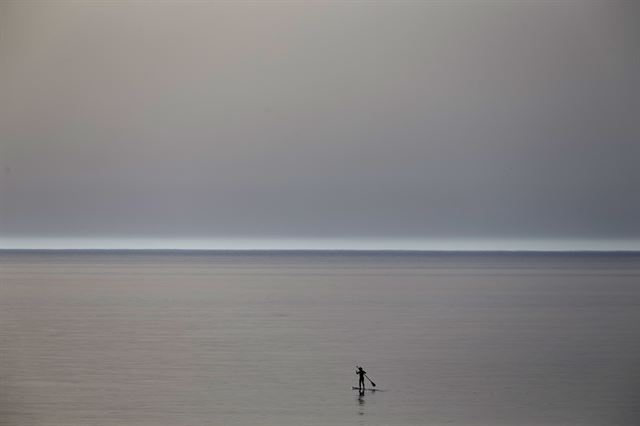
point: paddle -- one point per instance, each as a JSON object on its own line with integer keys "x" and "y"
{"x": 373, "y": 384}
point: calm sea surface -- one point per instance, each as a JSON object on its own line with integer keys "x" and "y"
{"x": 273, "y": 339}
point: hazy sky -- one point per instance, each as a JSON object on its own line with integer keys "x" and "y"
{"x": 427, "y": 121}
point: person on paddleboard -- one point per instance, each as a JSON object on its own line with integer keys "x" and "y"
{"x": 360, "y": 372}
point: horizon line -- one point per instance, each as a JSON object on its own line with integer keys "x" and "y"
{"x": 316, "y": 251}
{"x": 319, "y": 245}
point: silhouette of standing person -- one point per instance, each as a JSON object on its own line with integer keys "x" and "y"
{"x": 360, "y": 372}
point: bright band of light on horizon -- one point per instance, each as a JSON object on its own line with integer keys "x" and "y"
{"x": 316, "y": 244}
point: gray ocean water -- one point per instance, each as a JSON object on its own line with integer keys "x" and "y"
{"x": 273, "y": 339}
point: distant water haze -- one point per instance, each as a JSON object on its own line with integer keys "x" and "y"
{"x": 391, "y": 121}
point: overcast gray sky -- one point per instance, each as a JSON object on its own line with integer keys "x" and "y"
{"x": 422, "y": 121}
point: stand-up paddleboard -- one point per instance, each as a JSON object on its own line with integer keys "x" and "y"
{"x": 367, "y": 389}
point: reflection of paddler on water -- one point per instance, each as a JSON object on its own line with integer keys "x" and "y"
{"x": 362, "y": 374}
